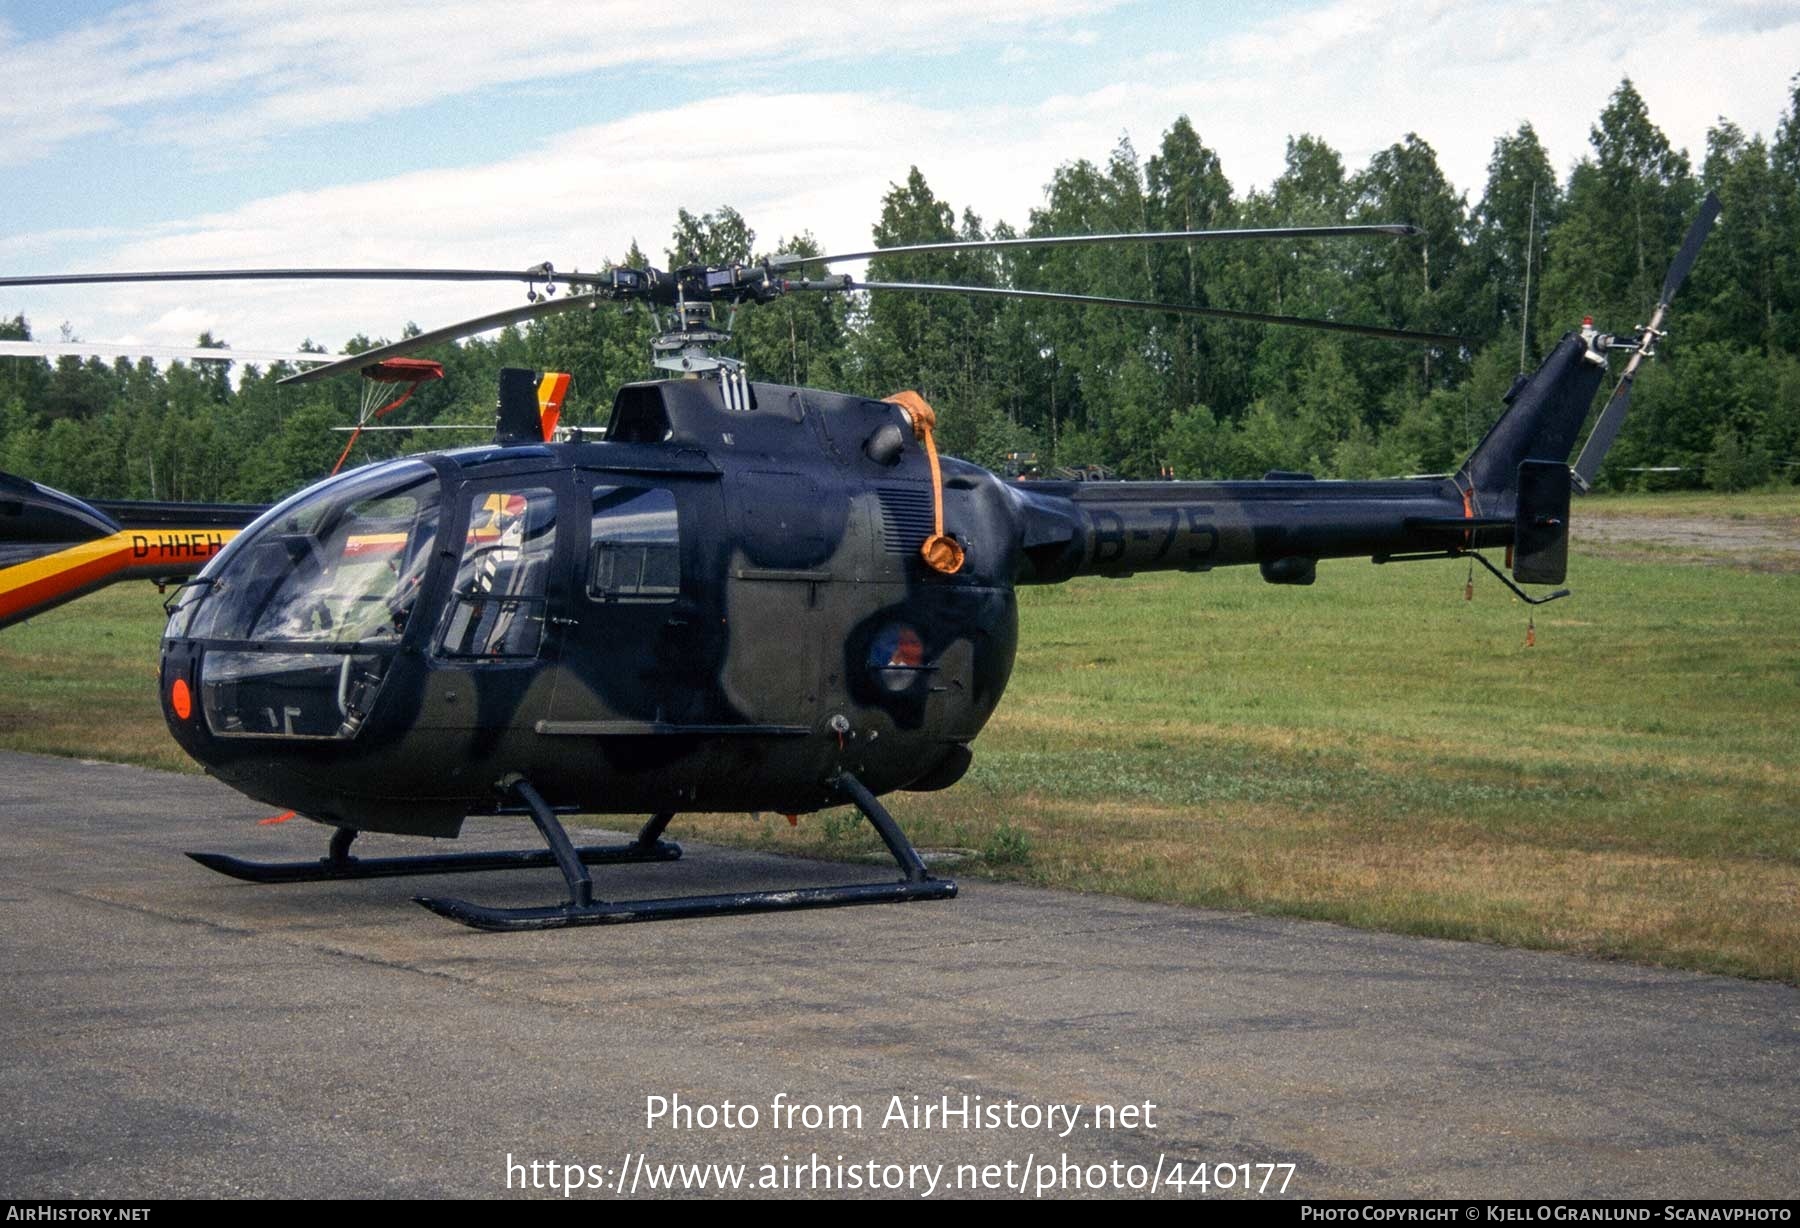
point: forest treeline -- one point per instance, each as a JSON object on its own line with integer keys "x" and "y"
{"x": 1140, "y": 393}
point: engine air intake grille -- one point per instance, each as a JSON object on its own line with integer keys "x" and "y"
{"x": 906, "y": 517}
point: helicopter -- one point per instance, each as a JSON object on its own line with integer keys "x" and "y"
{"x": 743, "y": 597}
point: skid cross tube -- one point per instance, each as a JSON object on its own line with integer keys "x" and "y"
{"x": 886, "y": 828}
{"x": 583, "y": 909}
{"x": 340, "y": 865}
{"x": 581, "y": 887}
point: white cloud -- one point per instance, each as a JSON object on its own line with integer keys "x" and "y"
{"x": 205, "y": 71}
{"x": 185, "y": 322}
{"x": 1363, "y": 73}
{"x": 1463, "y": 72}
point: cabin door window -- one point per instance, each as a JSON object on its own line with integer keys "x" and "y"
{"x": 498, "y": 606}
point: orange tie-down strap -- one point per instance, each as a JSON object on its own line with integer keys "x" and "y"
{"x": 941, "y": 552}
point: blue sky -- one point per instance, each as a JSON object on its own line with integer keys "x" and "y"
{"x": 183, "y": 133}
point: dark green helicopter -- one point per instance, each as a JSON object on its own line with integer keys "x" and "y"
{"x": 745, "y": 597}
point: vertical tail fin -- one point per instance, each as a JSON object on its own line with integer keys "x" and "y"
{"x": 530, "y": 405}
{"x": 1544, "y": 413}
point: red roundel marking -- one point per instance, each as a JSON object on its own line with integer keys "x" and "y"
{"x": 180, "y": 699}
{"x": 909, "y": 650}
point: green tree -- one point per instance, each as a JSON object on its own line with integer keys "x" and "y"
{"x": 719, "y": 237}
{"x": 1732, "y": 296}
{"x": 1416, "y": 283}
{"x": 1784, "y": 164}
{"x": 1197, "y": 445}
{"x": 1187, "y": 190}
{"x": 1732, "y": 465}
{"x": 1302, "y": 278}
{"x": 1511, "y": 228}
{"x": 933, "y": 343}
{"x": 1628, "y": 206}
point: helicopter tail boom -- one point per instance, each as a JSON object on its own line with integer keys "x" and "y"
{"x": 1285, "y": 524}
{"x": 55, "y": 547}
{"x": 1512, "y": 492}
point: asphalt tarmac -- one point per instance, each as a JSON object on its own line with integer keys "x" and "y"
{"x": 166, "y": 1032}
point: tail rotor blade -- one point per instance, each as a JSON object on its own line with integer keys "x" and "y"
{"x": 1690, "y": 247}
{"x": 1606, "y": 429}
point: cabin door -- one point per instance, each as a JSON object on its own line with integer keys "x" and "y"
{"x": 639, "y": 641}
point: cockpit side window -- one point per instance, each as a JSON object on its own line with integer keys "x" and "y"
{"x": 303, "y": 613}
{"x": 635, "y": 551}
{"x": 343, "y": 565}
{"x": 497, "y": 610}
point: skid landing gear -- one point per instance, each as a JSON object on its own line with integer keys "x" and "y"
{"x": 583, "y": 909}
{"x": 338, "y": 864}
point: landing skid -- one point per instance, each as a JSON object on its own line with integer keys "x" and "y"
{"x": 583, "y": 909}
{"x": 338, "y": 864}
{"x": 676, "y": 908}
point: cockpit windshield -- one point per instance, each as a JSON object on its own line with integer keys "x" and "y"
{"x": 341, "y": 563}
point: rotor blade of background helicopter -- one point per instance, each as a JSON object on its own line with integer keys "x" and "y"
{"x": 535, "y": 274}
{"x": 416, "y": 426}
{"x": 449, "y": 332}
{"x": 187, "y": 353}
{"x": 1153, "y": 236}
{"x": 1220, "y": 313}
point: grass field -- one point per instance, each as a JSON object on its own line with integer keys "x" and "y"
{"x": 1372, "y": 750}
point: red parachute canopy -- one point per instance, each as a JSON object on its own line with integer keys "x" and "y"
{"x": 404, "y": 371}
{"x": 409, "y": 371}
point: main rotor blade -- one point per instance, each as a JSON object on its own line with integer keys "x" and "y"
{"x": 449, "y": 332}
{"x": 1151, "y": 236}
{"x": 538, "y": 273}
{"x": 1690, "y": 247}
{"x": 1184, "y": 309}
